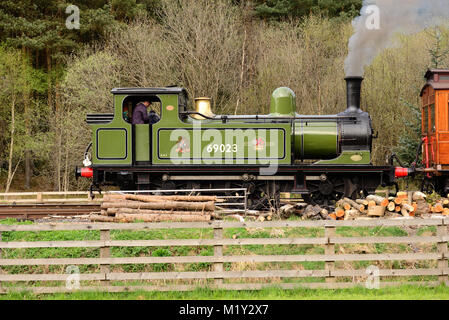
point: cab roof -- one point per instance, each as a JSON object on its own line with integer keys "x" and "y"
{"x": 163, "y": 90}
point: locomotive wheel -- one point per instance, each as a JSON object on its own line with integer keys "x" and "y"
{"x": 427, "y": 186}
{"x": 264, "y": 198}
{"x": 168, "y": 185}
{"x": 325, "y": 192}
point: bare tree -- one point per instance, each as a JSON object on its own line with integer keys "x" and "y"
{"x": 205, "y": 42}
{"x": 12, "y": 87}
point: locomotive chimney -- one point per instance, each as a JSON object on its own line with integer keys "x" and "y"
{"x": 353, "y": 91}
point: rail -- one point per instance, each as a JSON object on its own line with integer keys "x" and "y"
{"x": 223, "y": 269}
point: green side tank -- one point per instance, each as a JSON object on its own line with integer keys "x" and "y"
{"x": 315, "y": 139}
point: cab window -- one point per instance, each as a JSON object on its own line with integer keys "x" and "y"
{"x": 153, "y": 109}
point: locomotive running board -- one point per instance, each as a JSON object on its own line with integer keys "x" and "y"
{"x": 260, "y": 178}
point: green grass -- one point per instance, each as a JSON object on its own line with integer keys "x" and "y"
{"x": 397, "y": 293}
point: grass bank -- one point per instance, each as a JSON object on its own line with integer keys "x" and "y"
{"x": 396, "y": 293}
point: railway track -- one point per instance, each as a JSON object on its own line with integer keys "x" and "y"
{"x": 38, "y": 211}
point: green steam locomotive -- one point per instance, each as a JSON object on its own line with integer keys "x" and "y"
{"x": 323, "y": 158}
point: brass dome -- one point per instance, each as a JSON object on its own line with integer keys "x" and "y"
{"x": 203, "y": 106}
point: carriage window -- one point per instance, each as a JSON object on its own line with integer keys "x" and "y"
{"x": 432, "y": 119}
{"x": 425, "y": 120}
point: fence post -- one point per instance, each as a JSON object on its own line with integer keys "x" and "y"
{"x": 246, "y": 202}
{"x": 218, "y": 251}
{"x": 105, "y": 252}
{"x": 442, "y": 249}
{"x": 329, "y": 231}
{"x": 0, "y": 258}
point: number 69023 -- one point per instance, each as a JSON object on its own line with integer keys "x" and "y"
{"x": 221, "y": 148}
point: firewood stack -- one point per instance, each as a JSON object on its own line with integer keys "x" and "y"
{"x": 405, "y": 204}
{"x": 374, "y": 206}
{"x": 441, "y": 206}
{"x": 130, "y": 208}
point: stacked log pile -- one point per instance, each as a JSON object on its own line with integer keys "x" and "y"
{"x": 307, "y": 212}
{"x": 441, "y": 206}
{"x": 404, "y": 204}
{"x": 130, "y": 208}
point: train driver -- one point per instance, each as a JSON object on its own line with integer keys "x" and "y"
{"x": 140, "y": 114}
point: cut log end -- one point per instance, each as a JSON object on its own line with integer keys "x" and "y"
{"x": 391, "y": 206}
{"x": 376, "y": 211}
{"x": 340, "y": 213}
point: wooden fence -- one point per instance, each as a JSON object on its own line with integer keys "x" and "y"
{"x": 50, "y": 197}
{"x": 218, "y": 277}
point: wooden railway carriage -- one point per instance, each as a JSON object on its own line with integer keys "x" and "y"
{"x": 435, "y": 130}
{"x": 321, "y": 157}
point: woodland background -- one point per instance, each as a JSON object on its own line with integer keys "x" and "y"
{"x": 234, "y": 51}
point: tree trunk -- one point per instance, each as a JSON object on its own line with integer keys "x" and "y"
{"x": 163, "y": 212}
{"x": 162, "y": 205}
{"x": 242, "y": 70}
{"x": 380, "y": 201}
{"x": 49, "y": 84}
{"x": 57, "y": 181}
{"x": 354, "y": 204}
{"x": 66, "y": 169}
{"x": 11, "y": 143}
{"x": 320, "y": 107}
{"x": 26, "y": 99}
{"x": 121, "y": 197}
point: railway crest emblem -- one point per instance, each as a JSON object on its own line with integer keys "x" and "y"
{"x": 182, "y": 146}
{"x": 259, "y": 144}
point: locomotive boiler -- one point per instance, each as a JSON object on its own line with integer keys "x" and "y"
{"x": 323, "y": 158}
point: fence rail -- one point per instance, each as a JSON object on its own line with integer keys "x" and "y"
{"x": 50, "y": 197}
{"x": 218, "y": 276}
